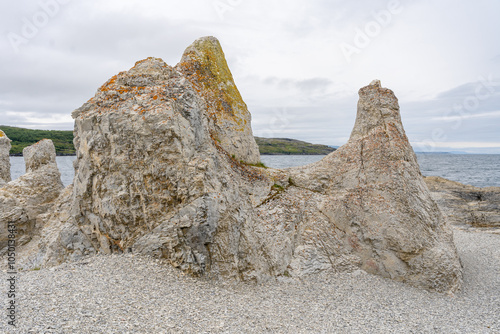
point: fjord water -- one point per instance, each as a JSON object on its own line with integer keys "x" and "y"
{"x": 65, "y": 164}
{"x": 480, "y": 170}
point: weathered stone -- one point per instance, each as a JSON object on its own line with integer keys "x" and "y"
{"x": 204, "y": 64}
{"x": 376, "y": 196}
{"x": 150, "y": 175}
{"x": 4, "y": 158}
{"x": 158, "y": 172}
{"x": 23, "y": 200}
{"x": 464, "y": 204}
{"x": 40, "y": 154}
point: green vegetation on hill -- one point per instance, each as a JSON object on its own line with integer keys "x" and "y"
{"x": 63, "y": 140}
{"x": 272, "y": 146}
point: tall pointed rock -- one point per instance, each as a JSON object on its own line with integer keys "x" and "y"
{"x": 204, "y": 64}
{"x": 378, "y": 198}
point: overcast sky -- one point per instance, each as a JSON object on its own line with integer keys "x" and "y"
{"x": 298, "y": 64}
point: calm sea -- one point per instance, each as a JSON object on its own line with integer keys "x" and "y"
{"x": 480, "y": 170}
{"x": 474, "y": 169}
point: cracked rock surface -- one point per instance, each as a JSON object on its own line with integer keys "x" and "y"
{"x": 464, "y": 204}
{"x": 23, "y": 200}
{"x": 163, "y": 169}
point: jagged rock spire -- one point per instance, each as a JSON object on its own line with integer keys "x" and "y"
{"x": 204, "y": 64}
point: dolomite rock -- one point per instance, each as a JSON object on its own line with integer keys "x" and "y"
{"x": 464, "y": 204}
{"x": 373, "y": 192}
{"x": 4, "y": 158}
{"x": 204, "y": 64}
{"x": 23, "y": 200}
{"x": 151, "y": 176}
{"x": 158, "y": 172}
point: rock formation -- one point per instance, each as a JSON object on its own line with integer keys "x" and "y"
{"x": 463, "y": 204}
{"x": 204, "y": 64}
{"x": 4, "y": 158}
{"x": 162, "y": 169}
{"x": 153, "y": 174}
{"x": 376, "y": 197}
{"x": 23, "y": 200}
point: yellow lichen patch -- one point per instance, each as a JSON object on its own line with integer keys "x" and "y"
{"x": 205, "y": 63}
{"x": 2, "y": 134}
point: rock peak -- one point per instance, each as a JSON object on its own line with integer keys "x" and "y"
{"x": 381, "y": 201}
{"x": 377, "y": 106}
{"x": 204, "y": 64}
{"x": 150, "y": 66}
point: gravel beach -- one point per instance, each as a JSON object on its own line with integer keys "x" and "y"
{"x": 130, "y": 294}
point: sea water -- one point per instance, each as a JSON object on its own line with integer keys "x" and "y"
{"x": 480, "y": 170}
{"x": 65, "y": 164}
{"x": 475, "y": 169}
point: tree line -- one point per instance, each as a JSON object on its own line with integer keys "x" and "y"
{"x": 21, "y": 138}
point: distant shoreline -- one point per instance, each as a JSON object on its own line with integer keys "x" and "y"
{"x": 57, "y": 154}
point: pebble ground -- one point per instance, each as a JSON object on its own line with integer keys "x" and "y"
{"x": 131, "y": 294}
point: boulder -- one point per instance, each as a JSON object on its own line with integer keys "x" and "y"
{"x": 23, "y": 200}
{"x": 4, "y": 158}
{"x": 163, "y": 169}
{"x": 464, "y": 204}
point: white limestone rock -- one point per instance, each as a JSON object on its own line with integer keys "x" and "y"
{"x": 375, "y": 195}
{"x": 159, "y": 172}
{"x": 152, "y": 178}
{"x": 23, "y": 200}
{"x": 464, "y": 204}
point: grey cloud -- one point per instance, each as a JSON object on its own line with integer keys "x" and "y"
{"x": 62, "y": 67}
{"x": 83, "y": 46}
{"x": 314, "y": 84}
{"x": 307, "y": 86}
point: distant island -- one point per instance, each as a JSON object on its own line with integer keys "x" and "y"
{"x": 286, "y": 146}
{"x": 63, "y": 141}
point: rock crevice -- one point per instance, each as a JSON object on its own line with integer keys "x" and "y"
{"x": 162, "y": 168}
